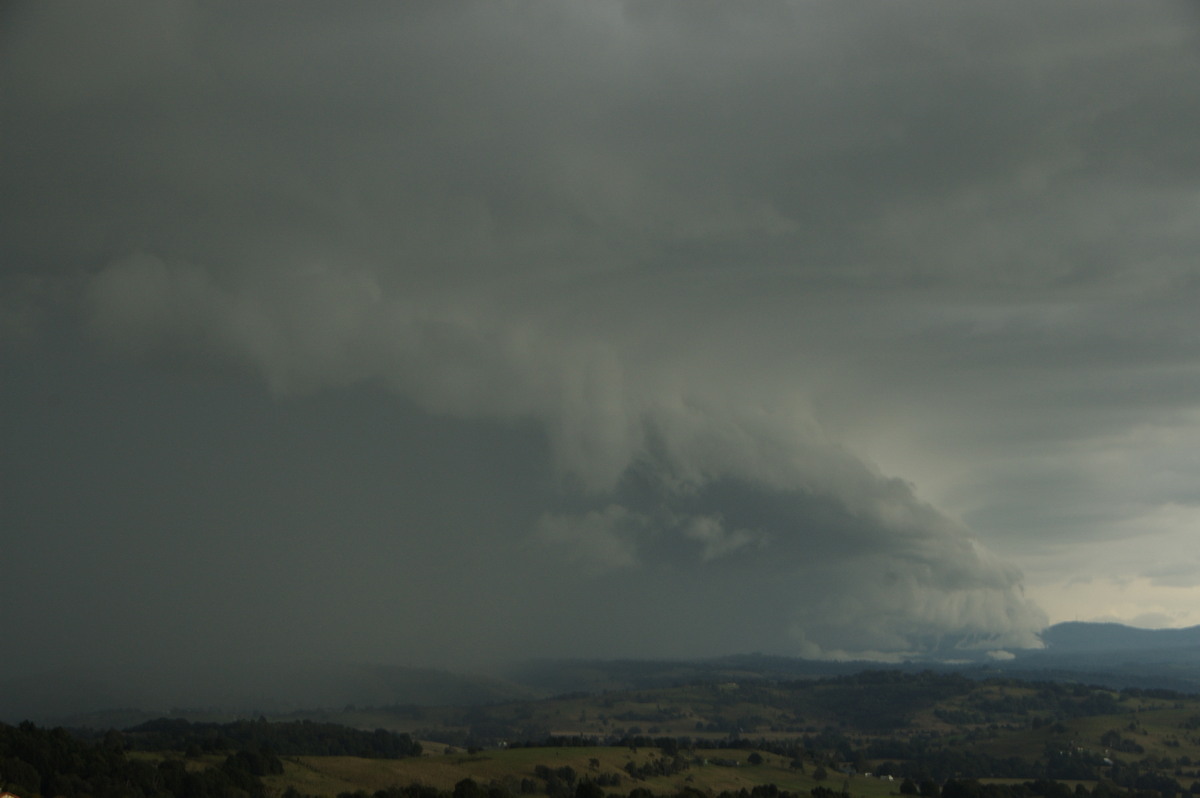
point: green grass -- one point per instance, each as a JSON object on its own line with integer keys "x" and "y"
{"x": 333, "y": 775}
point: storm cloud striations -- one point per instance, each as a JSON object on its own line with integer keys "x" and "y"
{"x": 448, "y": 333}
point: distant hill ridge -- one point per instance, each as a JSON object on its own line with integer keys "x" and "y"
{"x": 1075, "y": 637}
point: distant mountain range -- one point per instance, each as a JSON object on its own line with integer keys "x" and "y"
{"x": 1078, "y": 637}
{"x": 1113, "y": 655}
{"x": 1107, "y": 654}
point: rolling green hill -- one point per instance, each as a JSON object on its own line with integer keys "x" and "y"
{"x": 865, "y": 733}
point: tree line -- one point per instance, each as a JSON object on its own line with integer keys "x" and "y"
{"x": 54, "y": 762}
{"x": 286, "y": 738}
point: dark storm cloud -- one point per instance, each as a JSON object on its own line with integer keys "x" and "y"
{"x": 694, "y": 297}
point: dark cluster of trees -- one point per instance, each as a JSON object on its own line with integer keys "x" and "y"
{"x": 293, "y": 738}
{"x": 658, "y": 766}
{"x": 880, "y": 701}
{"x": 560, "y": 782}
{"x": 916, "y": 756}
{"x": 1051, "y": 700}
{"x": 53, "y": 762}
{"x": 1112, "y": 739}
{"x": 239, "y": 775}
{"x": 952, "y": 788}
{"x": 1039, "y": 788}
{"x": 469, "y": 788}
{"x": 928, "y": 788}
{"x": 585, "y": 788}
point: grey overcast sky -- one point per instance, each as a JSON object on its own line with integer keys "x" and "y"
{"x": 451, "y": 333}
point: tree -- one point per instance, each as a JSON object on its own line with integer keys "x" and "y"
{"x": 469, "y": 788}
{"x": 962, "y": 788}
{"x": 589, "y": 789}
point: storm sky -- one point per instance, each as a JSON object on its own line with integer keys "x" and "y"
{"x": 453, "y": 333}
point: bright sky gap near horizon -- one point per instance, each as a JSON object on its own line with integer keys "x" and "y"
{"x": 454, "y": 333}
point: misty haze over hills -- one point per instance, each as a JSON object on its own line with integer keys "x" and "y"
{"x": 1093, "y": 653}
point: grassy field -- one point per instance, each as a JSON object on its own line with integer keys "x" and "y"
{"x": 333, "y": 775}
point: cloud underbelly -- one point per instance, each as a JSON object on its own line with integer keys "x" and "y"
{"x": 672, "y": 479}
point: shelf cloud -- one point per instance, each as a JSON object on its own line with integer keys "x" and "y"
{"x": 451, "y": 334}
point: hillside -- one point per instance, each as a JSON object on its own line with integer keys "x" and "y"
{"x": 887, "y": 723}
{"x": 866, "y": 734}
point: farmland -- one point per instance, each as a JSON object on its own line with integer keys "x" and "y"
{"x": 732, "y": 736}
{"x": 865, "y": 735}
